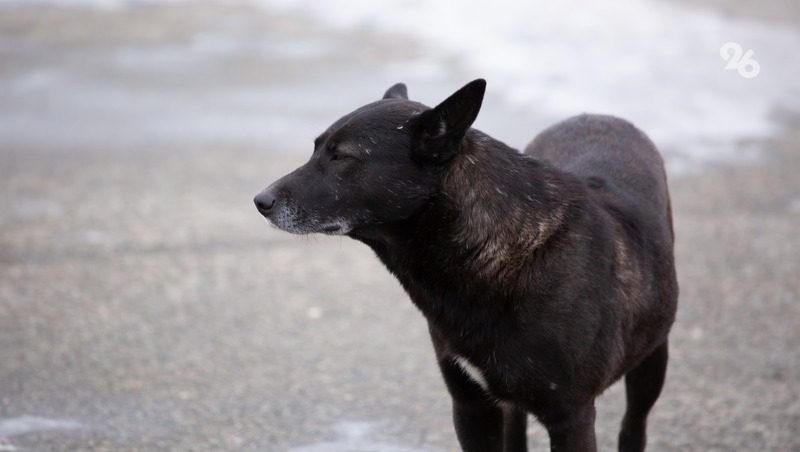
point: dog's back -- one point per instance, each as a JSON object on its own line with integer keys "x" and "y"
{"x": 610, "y": 153}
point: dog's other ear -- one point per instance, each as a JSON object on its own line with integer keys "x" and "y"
{"x": 397, "y": 91}
{"x": 439, "y": 130}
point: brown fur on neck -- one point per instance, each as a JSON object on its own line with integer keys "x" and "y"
{"x": 506, "y": 204}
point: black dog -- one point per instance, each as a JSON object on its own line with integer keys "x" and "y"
{"x": 544, "y": 276}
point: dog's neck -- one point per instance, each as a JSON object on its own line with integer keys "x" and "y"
{"x": 496, "y": 208}
{"x": 505, "y": 205}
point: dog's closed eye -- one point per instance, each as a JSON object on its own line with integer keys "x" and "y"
{"x": 339, "y": 152}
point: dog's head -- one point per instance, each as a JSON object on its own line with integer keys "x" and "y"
{"x": 375, "y": 166}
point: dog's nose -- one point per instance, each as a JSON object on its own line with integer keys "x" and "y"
{"x": 264, "y": 201}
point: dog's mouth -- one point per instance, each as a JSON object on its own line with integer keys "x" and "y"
{"x": 294, "y": 220}
{"x": 331, "y": 228}
{"x": 293, "y": 228}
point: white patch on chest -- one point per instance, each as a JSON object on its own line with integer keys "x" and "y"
{"x": 472, "y": 372}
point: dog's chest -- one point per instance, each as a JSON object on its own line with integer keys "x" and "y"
{"x": 498, "y": 388}
{"x": 473, "y": 372}
{"x": 478, "y": 376}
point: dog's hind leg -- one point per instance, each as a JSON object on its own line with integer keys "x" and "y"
{"x": 642, "y": 387}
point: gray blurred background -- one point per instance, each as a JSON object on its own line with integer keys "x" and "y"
{"x": 145, "y": 305}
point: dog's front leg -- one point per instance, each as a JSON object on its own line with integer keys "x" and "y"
{"x": 573, "y": 430}
{"x": 479, "y": 427}
{"x": 515, "y": 424}
{"x": 479, "y": 420}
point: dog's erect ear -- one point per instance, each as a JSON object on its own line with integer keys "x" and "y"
{"x": 397, "y": 91}
{"x": 440, "y": 129}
